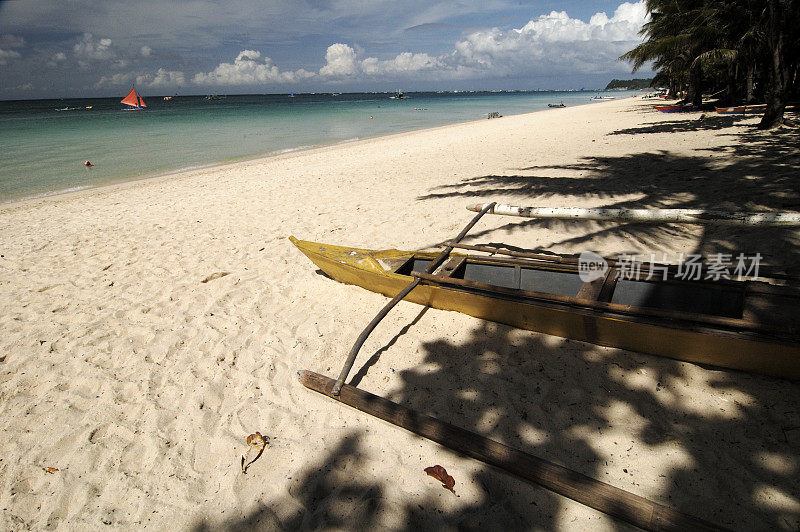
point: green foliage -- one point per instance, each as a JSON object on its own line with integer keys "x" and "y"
{"x": 630, "y": 84}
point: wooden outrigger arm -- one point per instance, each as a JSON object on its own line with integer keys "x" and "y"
{"x": 351, "y": 357}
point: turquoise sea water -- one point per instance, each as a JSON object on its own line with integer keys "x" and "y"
{"x": 44, "y": 142}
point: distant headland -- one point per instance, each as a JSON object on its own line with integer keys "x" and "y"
{"x": 629, "y": 84}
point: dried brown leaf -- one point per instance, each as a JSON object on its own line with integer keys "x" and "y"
{"x": 215, "y": 275}
{"x": 440, "y": 474}
{"x": 255, "y": 443}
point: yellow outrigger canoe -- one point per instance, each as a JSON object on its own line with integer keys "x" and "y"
{"x": 744, "y": 325}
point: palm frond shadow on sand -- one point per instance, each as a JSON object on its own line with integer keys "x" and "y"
{"x": 733, "y": 462}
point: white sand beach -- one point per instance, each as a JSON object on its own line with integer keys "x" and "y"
{"x": 150, "y": 327}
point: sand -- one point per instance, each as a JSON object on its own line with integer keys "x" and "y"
{"x": 150, "y": 327}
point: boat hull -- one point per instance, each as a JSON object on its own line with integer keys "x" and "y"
{"x": 742, "y": 109}
{"x": 675, "y": 108}
{"x": 698, "y": 344}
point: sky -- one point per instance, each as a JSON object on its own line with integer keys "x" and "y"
{"x": 90, "y": 48}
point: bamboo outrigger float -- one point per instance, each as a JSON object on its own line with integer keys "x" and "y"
{"x": 709, "y": 322}
{"x": 650, "y": 216}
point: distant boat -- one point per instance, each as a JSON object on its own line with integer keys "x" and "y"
{"x": 602, "y": 98}
{"x": 398, "y": 96}
{"x": 134, "y": 100}
{"x": 291, "y": 94}
{"x": 167, "y": 98}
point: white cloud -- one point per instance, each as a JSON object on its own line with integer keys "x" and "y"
{"x": 89, "y": 49}
{"x": 11, "y": 41}
{"x": 559, "y": 27}
{"x": 549, "y": 45}
{"x": 7, "y": 42}
{"x": 5, "y": 55}
{"x": 555, "y": 41}
{"x": 340, "y": 61}
{"x": 58, "y": 58}
{"x": 162, "y": 78}
{"x": 402, "y": 64}
{"x": 247, "y": 69}
{"x": 183, "y": 33}
{"x": 116, "y": 80}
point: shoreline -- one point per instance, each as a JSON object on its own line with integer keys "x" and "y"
{"x": 115, "y": 98}
{"x": 151, "y": 326}
{"x": 249, "y": 159}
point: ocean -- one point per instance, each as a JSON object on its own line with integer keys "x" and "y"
{"x": 44, "y": 143}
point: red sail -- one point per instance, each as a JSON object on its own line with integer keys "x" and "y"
{"x": 133, "y": 99}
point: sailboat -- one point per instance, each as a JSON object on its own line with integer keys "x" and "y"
{"x": 134, "y": 100}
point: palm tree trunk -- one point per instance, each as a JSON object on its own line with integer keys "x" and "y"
{"x": 695, "y": 94}
{"x": 673, "y": 90}
{"x": 778, "y": 79}
{"x": 733, "y": 73}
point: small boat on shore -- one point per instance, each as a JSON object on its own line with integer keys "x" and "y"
{"x": 749, "y": 325}
{"x": 556, "y": 105}
{"x": 529, "y": 291}
{"x": 134, "y": 101}
{"x": 675, "y": 108}
{"x": 742, "y": 109}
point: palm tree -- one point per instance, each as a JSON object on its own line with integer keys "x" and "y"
{"x": 658, "y": 47}
{"x": 674, "y": 43}
{"x": 755, "y": 40}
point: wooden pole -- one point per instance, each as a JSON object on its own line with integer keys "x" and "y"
{"x": 604, "y": 497}
{"x": 351, "y": 356}
{"x": 650, "y": 216}
{"x": 558, "y": 259}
